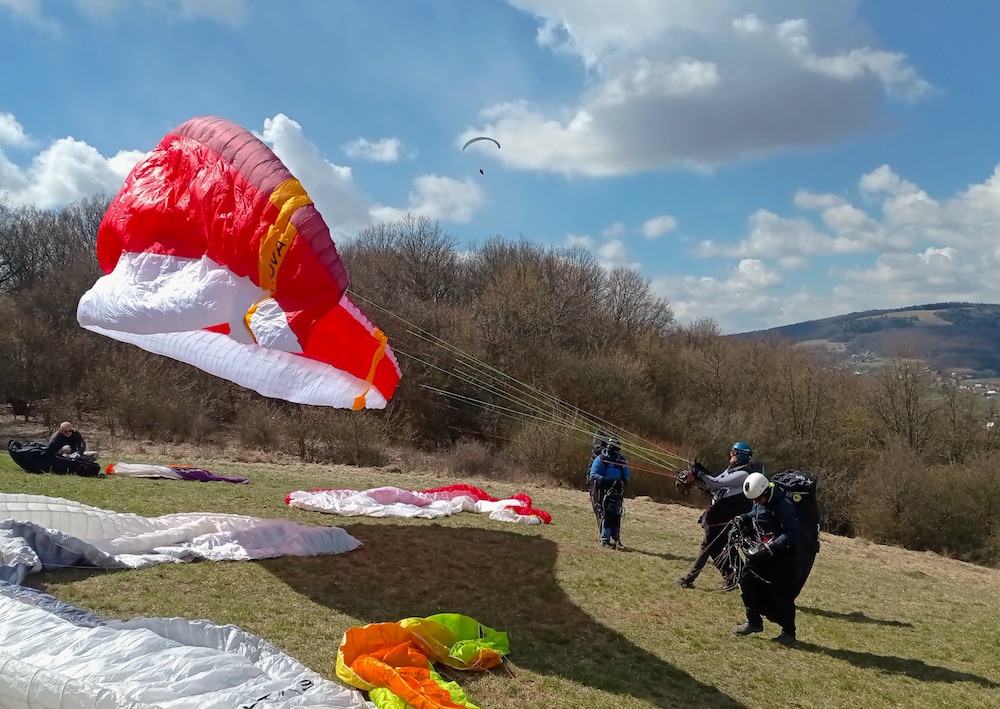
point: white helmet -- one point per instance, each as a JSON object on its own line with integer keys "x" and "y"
{"x": 755, "y": 485}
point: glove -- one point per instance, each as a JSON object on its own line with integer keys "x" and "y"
{"x": 756, "y": 555}
{"x": 742, "y": 523}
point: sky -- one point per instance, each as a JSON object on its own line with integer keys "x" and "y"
{"x": 762, "y": 162}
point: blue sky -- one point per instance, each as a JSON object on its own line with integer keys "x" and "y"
{"x": 761, "y": 161}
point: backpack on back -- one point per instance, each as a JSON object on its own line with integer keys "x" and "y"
{"x": 801, "y": 488}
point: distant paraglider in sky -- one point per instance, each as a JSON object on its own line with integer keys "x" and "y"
{"x": 474, "y": 140}
{"x": 482, "y": 137}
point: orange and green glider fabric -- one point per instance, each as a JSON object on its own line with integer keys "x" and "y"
{"x": 394, "y": 662}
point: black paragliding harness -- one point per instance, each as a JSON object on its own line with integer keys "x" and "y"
{"x": 610, "y": 503}
{"x": 743, "y": 542}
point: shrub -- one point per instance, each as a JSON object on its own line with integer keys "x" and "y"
{"x": 546, "y": 450}
{"x": 470, "y": 457}
{"x": 359, "y": 438}
{"x": 261, "y": 424}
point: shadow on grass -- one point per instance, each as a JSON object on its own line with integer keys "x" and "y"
{"x": 854, "y": 617}
{"x": 889, "y": 664}
{"x": 505, "y": 580}
{"x": 667, "y": 557}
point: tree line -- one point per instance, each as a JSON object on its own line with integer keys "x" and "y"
{"x": 902, "y": 458}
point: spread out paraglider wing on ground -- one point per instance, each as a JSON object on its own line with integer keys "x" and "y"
{"x": 172, "y": 471}
{"x": 428, "y": 504}
{"x": 56, "y": 656}
{"x": 38, "y": 532}
{"x": 214, "y": 255}
{"x": 394, "y": 662}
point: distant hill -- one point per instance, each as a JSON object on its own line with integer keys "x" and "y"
{"x": 952, "y": 337}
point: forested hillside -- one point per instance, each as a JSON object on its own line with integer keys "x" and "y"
{"x": 511, "y": 351}
{"x": 950, "y": 337}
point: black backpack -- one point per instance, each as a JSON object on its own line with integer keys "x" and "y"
{"x": 34, "y": 458}
{"x": 801, "y": 487}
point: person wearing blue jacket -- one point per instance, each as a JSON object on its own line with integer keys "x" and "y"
{"x": 608, "y": 476}
{"x": 769, "y": 582}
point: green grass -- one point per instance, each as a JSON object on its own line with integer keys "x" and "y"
{"x": 881, "y": 627}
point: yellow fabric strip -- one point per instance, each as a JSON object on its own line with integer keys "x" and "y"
{"x": 359, "y": 403}
{"x": 289, "y": 196}
{"x": 248, "y": 316}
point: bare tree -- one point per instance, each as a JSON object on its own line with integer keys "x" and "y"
{"x": 901, "y": 402}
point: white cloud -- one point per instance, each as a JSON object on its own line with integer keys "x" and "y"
{"x": 65, "y": 171}
{"x": 611, "y": 253}
{"x": 231, "y": 12}
{"x": 658, "y": 226}
{"x": 615, "y": 253}
{"x": 746, "y": 291}
{"x": 69, "y": 169}
{"x": 343, "y": 205}
{"x": 689, "y": 83}
{"x": 11, "y": 132}
{"x": 812, "y": 200}
{"x": 615, "y": 231}
{"x": 792, "y": 263}
{"x": 382, "y": 150}
{"x": 31, "y": 12}
{"x": 438, "y": 197}
{"x": 908, "y": 248}
{"x": 773, "y": 236}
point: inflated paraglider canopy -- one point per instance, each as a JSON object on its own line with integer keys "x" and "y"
{"x": 475, "y": 140}
{"x": 482, "y": 137}
{"x": 215, "y": 255}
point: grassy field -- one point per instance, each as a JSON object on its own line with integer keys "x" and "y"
{"x": 589, "y": 627}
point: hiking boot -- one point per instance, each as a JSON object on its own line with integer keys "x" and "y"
{"x": 748, "y": 628}
{"x": 785, "y": 638}
{"x": 607, "y": 544}
{"x": 685, "y": 582}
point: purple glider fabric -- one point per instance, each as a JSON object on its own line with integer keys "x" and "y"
{"x": 173, "y": 472}
{"x": 202, "y": 475}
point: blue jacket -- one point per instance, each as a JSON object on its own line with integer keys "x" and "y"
{"x": 610, "y": 467}
{"x": 776, "y": 521}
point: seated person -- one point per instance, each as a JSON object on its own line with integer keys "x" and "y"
{"x": 66, "y": 441}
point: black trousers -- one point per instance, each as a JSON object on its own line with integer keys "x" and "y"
{"x": 716, "y": 521}
{"x": 804, "y": 561}
{"x": 769, "y": 590}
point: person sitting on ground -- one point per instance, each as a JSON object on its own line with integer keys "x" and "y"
{"x": 770, "y": 581}
{"x": 608, "y": 474}
{"x": 728, "y": 501}
{"x": 66, "y": 440}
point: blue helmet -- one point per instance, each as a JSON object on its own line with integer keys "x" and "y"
{"x": 742, "y": 451}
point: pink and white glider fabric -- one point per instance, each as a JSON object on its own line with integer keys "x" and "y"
{"x": 428, "y": 504}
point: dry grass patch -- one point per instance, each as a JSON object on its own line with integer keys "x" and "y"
{"x": 881, "y": 627}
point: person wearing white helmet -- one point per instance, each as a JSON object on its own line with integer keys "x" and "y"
{"x": 768, "y": 585}
{"x": 728, "y": 501}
